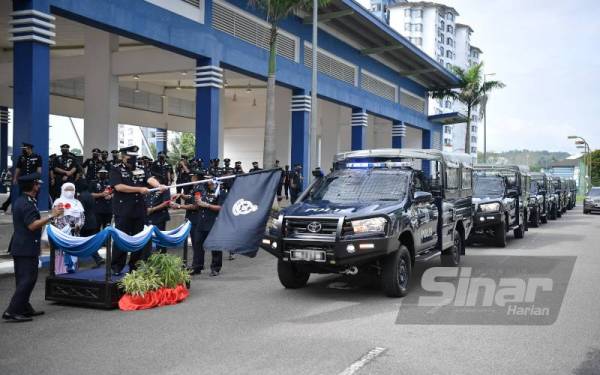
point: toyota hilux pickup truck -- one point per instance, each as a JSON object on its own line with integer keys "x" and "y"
{"x": 539, "y": 204}
{"x": 500, "y": 197}
{"x": 379, "y": 211}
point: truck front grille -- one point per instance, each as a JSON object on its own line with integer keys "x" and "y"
{"x": 310, "y": 228}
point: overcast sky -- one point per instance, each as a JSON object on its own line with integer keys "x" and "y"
{"x": 547, "y": 53}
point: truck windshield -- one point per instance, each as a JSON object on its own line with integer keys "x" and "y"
{"x": 534, "y": 187}
{"x": 488, "y": 187}
{"x": 595, "y": 192}
{"x": 362, "y": 185}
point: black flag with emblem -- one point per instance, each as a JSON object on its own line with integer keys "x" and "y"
{"x": 240, "y": 226}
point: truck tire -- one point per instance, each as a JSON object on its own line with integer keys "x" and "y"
{"x": 290, "y": 277}
{"x": 520, "y": 231}
{"x": 451, "y": 256}
{"x": 544, "y": 219}
{"x": 586, "y": 212}
{"x": 558, "y": 212}
{"x": 396, "y": 273}
{"x": 500, "y": 235}
{"x": 553, "y": 213}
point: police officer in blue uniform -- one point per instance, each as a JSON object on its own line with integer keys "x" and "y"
{"x": 208, "y": 205}
{"x": 164, "y": 168}
{"x": 27, "y": 163}
{"x": 93, "y": 165}
{"x": 102, "y": 193}
{"x": 158, "y": 204}
{"x": 25, "y": 247}
{"x": 115, "y": 161}
{"x": 130, "y": 186}
{"x": 65, "y": 166}
{"x": 191, "y": 210}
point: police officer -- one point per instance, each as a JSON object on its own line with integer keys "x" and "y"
{"x": 104, "y": 158}
{"x": 183, "y": 175}
{"x": 102, "y": 193}
{"x": 115, "y": 161}
{"x": 287, "y": 179}
{"x": 214, "y": 169}
{"x": 208, "y": 204}
{"x": 163, "y": 167}
{"x": 65, "y": 166}
{"x": 191, "y": 210}
{"x": 27, "y": 163}
{"x": 238, "y": 168}
{"x": 25, "y": 247}
{"x": 93, "y": 165}
{"x": 296, "y": 183}
{"x": 129, "y": 188}
{"x": 158, "y": 204}
{"x": 255, "y": 167}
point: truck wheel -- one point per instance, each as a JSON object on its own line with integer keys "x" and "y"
{"x": 290, "y": 277}
{"x": 558, "y": 213}
{"x": 544, "y": 219}
{"x": 520, "y": 231}
{"x": 585, "y": 212}
{"x": 500, "y": 235}
{"x": 451, "y": 256}
{"x": 396, "y": 273}
{"x": 553, "y": 213}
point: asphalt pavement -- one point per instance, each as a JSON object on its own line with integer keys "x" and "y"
{"x": 244, "y": 322}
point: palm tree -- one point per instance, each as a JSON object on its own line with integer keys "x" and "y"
{"x": 276, "y": 10}
{"x": 472, "y": 90}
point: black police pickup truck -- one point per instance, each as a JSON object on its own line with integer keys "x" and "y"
{"x": 591, "y": 202}
{"x": 500, "y": 197}
{"x": 378, "y": 211}
{"x": 539, "y": 204}
{"x": 558, "y": 198}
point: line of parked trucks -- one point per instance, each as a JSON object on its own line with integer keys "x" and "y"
{"x": 381, "y": 211}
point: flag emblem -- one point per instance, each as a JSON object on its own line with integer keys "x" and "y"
{"x": 243, "y": 207}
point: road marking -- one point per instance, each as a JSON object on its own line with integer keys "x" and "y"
{"x": 368, "y": 357}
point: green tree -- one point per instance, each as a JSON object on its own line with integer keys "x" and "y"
{"x": 471, "y": 91}
{"x": 595, "y": 173}
{"x": 184, "y": 145}
{"x": 276, "y": 10}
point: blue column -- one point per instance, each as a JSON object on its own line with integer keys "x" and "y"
{"x": 300, "y": 150}
{"x": 208, "y": 83}
{"x": 359, "y": 129}
{"x": 426, "y": 143}
{"x": 161, "y": 140}
{"x": 32, "y": 36}
{"x": 3, "y": 143}
{"x": 398, "y": 132}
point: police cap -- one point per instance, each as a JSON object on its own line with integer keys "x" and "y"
{"x": 32, "y": 177}
{"x": 96, "y": 150}
{"x": 65, "y": 146}
{"x": 227, "y": 160}
{"x": 102, "y": 170}
{"x": 25, "y": 144}
{"x": 161, "y": 153}
{"x": 254, "y": 163}
{"x": 114, "y": 152}
{"x": 238, "y": 163}
{"x": 129, "y": 151}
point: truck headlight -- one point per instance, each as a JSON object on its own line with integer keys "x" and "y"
{"x": 489, "y": 207}
{"x": 372, "y": 225}
{"x": 273, "y": 225}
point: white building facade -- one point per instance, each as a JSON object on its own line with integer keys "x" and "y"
{"x": 433, "y": 27}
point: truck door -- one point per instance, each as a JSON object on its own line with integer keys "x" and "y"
{"x": 427, "y": 217}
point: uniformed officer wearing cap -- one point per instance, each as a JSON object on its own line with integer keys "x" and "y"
{"x": 157, "y": 206}
{"x": 65, "y": 166}
{"x": 102, "y": 193}
{"x": 115, "y": 161}
{"x": 255, "y": 167}
{"x": 104, "y": 158}
{"x": 191, "y": 209}
{"x": 27, "y": 163}
{"x": 183, "y": 175}
{"x": 164, "y": 168}
{"x": 25, "y": 247}
{"x": 129, "y": 187}
{"x": 198, "y": 166}
{"x": 93, "y": 165}
{"x": 238, "y": 168}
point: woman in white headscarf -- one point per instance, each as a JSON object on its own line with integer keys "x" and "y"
{"x": 71, "y": 222}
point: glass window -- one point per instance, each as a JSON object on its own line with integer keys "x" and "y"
{"x": 448, "y": 104}
{"x": 407, "y": 26}
{"x": 448, "y": 66}
{"x": 466, "y": 179}
{"x": 407, "y": 13}
{"x": 473, "y": 139}
{"x": 450, "y": 29}
{"x": 452, "y": 178}
{"x": 418, "y": 27}
{"x": 449, "y": 54}
{"x": 449, "y": 41}
{"x": 450, "y": 17}
{"x": 443, "y": 25}
{"x": 473, "y": 150}
{"x": 441, "y": 51}
{"x": 417, "y": 13}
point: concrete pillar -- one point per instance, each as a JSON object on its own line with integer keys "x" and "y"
{"x": 398, "y": 133}
{"x": 282, "y": 125}
{"x": 101, "y": 100}
{"x": 208, "y": 83}
{"x": 359, "y": 129}
{"x": 426, "y": 143}
{"x": 300, "y": 150}
{"x": 3, "y": 143}
{"x": 32, "y": 35}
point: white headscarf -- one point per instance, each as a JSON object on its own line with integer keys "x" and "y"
{"x": 71, "y": 205}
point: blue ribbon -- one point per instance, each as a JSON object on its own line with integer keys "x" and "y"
{"x": 85, "y": 246}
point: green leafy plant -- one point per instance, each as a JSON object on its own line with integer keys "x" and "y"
{"x": 140, "y": 282}
{"x": 169, "y": 268}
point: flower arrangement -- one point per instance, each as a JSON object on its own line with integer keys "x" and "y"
{"x": 161, "y": 280}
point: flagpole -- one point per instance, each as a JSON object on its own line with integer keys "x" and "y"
{"x": 212, "y": 179}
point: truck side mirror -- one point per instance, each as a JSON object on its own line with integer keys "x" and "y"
{"x": 422, "y": 197}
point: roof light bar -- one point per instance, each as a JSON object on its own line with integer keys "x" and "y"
{"x": 387, "y": 164}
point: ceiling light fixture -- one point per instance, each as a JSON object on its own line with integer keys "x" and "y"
{"x": 137, "y": 87}
{"x": 178, "y": 85}
{"x": 183, "y": 73}
{"x": 136, "y": 77}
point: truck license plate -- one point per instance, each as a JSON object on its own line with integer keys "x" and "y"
{"x": 308, "y": 255}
